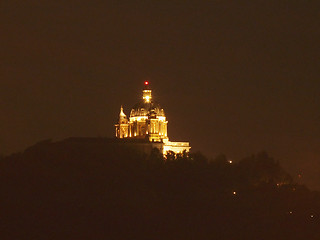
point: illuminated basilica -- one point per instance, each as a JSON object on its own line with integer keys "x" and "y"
{"x": 148, "y": 121}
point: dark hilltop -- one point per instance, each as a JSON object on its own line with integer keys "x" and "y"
{"x": 100, "y": 189}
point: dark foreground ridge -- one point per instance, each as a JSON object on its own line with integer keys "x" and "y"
{"x": 96, "y": 189}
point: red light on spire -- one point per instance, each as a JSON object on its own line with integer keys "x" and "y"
{"x": 146, "y": 83}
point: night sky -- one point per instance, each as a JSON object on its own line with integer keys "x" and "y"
{"x": 233, "y": 77}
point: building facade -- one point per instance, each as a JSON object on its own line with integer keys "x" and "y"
{"x": 148, "y": 121}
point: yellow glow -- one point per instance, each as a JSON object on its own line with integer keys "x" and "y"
{"x": 161, "y": 118}
{"x": 140, "y": 118}
{"x": 147, "y": 95}
{"x": 140, "y": 124}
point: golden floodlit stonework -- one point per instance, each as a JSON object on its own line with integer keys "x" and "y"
{"x": 148, "y": 121}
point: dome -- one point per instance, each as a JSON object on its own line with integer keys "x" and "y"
{"x": 145, "y": 109}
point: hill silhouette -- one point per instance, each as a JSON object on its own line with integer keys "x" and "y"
{"x": 98, "y": 190}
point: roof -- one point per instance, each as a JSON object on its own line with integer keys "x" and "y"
{"x": 144, "y": 109}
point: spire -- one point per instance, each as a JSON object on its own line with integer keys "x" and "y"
{"x": 122, "y": 115}
{"x": 146, "y": 93}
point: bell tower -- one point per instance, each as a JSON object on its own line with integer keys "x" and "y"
{"x": 122, "y": 128}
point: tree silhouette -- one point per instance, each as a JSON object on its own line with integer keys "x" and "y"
{"x": 99, "y": 189}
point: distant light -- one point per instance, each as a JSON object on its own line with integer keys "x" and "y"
{"x": 146, "y": 83}
{"x": 230, "y": 161}
{"x": 311, "y": 216}
{"x": 234, "y": 193}
{"x": 290, "y": 212}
